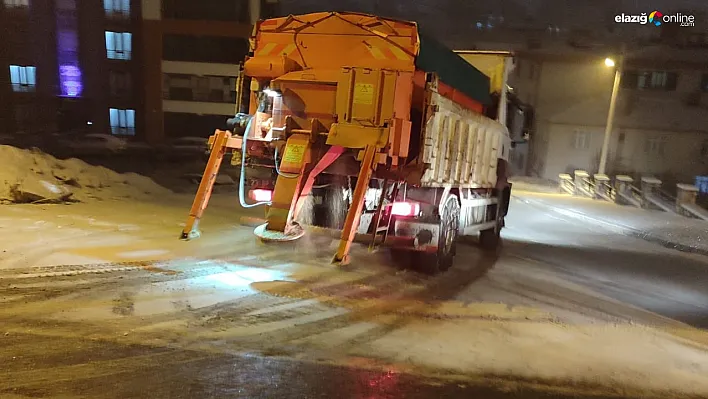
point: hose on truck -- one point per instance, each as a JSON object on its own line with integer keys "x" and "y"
{"x": 242, "y": 179}
{"x": 277, "y": 168}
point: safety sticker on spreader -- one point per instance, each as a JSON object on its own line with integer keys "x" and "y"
{"x": 364, "y": 93}
{"x": 294, "y": 153}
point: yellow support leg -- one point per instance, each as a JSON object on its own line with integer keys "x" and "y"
{"x": 352, "y": 221}
{"x": 218, "y": 149}
{"x": 279, "y": 216}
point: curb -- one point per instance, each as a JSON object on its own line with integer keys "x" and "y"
{"x": 620, "y": 228}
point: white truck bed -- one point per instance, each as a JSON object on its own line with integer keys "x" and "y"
{"x": 461, "y": 147}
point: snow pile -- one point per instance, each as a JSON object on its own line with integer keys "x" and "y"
{"x": 31, "y": 176}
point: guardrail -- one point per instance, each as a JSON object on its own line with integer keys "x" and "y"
{"x": 686, "y": 202}
{"x": 603, "y": 188}
{"x": 649, "y": 195}
{"x": 583, "y": 185}
{"x": 567, "y": 186}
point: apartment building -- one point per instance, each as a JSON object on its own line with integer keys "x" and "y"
{"x": 66, "y": 67}
{"x": 661, "y": 121}
{"x": 192, "y": 53}
{"x": 149, "y": 70}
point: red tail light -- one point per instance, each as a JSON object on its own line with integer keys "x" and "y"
{"x": 405, "y": 209}
{"x": 261, "y": 195}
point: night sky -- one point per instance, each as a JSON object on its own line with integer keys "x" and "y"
{"x": 464, "y": 23}
{"x": 582, "y": 14}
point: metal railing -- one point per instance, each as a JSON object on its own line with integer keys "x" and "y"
{"x": 664, "y": 195}
{"x": 623, "y": 191}
{"x": 566, "y": 186}
{"x": 605, "y": 190}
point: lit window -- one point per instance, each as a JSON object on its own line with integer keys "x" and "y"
{"x": 118, "y": 45}
{"x": 16, "y": 3}
{"x": 581, "y": 140}
{"x": 122, "y": 121}
{"x": 117, "y": 8}
{"x": 23, "y": 78}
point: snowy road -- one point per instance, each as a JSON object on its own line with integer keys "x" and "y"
{"x": 90, "y": 297}
{"x": 628, "y": 269}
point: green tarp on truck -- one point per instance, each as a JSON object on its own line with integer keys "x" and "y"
{"x": 452, "y": 69}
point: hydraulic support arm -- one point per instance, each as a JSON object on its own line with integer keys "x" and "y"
{"x": 281, "y": 213}
{"x": 221, "y": 141}
{"x": 352, "y": 221}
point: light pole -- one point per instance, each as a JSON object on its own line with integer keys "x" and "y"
{"x": 611, "y": 114}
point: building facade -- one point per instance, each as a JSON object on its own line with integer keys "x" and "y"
{"x": 661, "y": 121}
{"x": 150, "y": 70}
{"x": 61, "y": 68}
{"x": 192, "y": 54}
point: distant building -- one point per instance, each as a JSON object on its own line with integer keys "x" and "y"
{"x": 150, "y": 69}
{"x": 661, "y": 121}
{"x": 67, "y": 68}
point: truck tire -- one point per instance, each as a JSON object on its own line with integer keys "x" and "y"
{"x": 447, "y": 241}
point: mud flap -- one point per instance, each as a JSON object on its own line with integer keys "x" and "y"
{"x": 425, "y": 236}
{"x": 506, "y": 198}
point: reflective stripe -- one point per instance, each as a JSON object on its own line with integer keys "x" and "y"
{"x": 400, "y": 54}
{"x": 276, "y": 49}
{"x": 288, "y": 49}
{"x": 265, "y": 50}
{"x": 377, "y": 53}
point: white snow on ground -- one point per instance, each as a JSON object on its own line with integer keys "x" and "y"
{"x": 651, "y": 224}
{"x": 458, "y": 336}
{"x": 31, "y": 176}
{"x": 271, "y": 296}
{"x": 607, "y": 355}
{"x": 534, "y": 184}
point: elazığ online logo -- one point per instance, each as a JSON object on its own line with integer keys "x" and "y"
{"x": 656, "y": 18}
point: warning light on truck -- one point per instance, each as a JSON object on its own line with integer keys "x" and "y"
{"x": 405, "y": 209}
{"x": 261, "y": 195}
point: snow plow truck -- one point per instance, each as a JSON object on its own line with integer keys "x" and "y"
{"x": 367, "y": 127}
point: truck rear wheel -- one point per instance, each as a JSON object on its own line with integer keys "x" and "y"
{"x": 447, "y": 241}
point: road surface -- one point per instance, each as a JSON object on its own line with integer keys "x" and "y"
{"x": 109, "y": 304}
{"x": 105, "y": 370}
{"x": 624, "y": 268}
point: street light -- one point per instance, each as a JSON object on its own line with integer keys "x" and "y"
{"x": 611, "y": 114}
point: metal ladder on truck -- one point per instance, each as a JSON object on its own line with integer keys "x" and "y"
{"x": 384, "y": 213}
